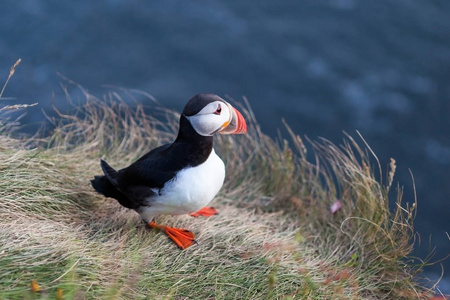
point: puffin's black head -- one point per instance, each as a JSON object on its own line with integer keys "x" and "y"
{"x": 198, "y": 102}
{"x": 208, "y": 114}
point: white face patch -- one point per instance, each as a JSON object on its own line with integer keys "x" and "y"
{"x": 212, "y": 118}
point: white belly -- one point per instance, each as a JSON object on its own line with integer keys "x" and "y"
{"x": 192, "y": 189}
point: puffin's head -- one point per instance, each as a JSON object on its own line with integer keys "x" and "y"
{"x": 208, "y": 114}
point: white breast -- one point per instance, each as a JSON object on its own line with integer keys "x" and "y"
{"x": 192, "y": 189}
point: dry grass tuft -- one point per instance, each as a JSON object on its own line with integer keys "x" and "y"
{"x": 6, "y": 125}
{"x": 11, "y": 73}
{"x": 275, "y": 236}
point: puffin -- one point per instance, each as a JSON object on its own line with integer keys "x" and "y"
{"x": 178, "y": 178}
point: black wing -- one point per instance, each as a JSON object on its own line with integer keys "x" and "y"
{"x": 145, "y": 177}
{"x": 131, "y": 186}
{"x": 134, "y": 185}
{"x": 152, "y": 170}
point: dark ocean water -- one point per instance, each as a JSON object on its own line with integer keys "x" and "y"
{"x": 381, "y": 67}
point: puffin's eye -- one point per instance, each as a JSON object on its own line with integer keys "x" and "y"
{"x": 218, "y": 110}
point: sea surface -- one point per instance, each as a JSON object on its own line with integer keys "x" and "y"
{"x": 380, "y": 67}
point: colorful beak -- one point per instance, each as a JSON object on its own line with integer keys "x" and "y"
{"x": 236, "y": 124}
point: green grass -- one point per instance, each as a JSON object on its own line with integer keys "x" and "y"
{"x": 275, "y": 237}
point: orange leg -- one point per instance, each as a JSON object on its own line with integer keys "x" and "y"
{"x": 182, "y": 237}
{"x": 206, "y": 211}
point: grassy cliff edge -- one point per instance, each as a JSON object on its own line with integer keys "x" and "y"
{"x": 275, "y": 236}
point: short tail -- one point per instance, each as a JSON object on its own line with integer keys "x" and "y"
{"x": 107, "y": 185}
{"x": 102, "y": 185}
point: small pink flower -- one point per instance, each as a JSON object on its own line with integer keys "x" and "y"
{"x": 336, "y": 206}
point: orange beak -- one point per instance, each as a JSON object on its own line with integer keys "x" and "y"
{"x": 236, "y": 125}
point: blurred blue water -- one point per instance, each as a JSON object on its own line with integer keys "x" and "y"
{"x": 380, "y": 67}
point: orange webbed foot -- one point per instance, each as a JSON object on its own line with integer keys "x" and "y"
{"x": 182, "y": 237}
{"x": 206, "y": 211}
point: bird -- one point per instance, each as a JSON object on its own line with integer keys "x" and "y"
{"x": 177, "y": 178}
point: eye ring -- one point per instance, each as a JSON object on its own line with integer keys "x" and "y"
{"x": 218, "y": 110}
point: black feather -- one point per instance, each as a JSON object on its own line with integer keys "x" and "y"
{"x": 109, "y": 172}
{"x": 103, "y": 186}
